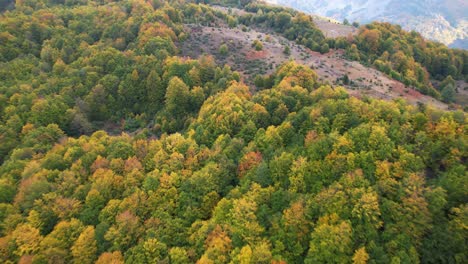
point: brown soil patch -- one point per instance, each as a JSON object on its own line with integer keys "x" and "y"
{"x": 330, "y": 67}
{"x": 333, "y": 29}
{"x": 256, "y": 55}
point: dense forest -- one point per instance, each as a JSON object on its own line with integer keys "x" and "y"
{"x": 116, "y": 149}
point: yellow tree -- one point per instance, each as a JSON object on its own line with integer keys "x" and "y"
{"x": 110, "y": 258}
{"x": 85, "y": 248}
{"x": 218, "y": 245}
{"x": 360, "y": 256}
{"x": 27, "y": 240}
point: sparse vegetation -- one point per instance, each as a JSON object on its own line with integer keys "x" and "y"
{"x": 325, "y": 48}
{"x": 345, "y": 79}
{"x": 223, "y": 50}
{"x": 257, "y": 44}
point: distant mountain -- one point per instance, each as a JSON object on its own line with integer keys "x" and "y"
{"x": 6, "y": 4}
{"x": 445, "y": 21}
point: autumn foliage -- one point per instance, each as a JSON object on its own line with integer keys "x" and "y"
{"x": 113, "y": 149}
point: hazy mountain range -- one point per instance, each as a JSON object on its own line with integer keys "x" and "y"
{"x": 445, "y": 21}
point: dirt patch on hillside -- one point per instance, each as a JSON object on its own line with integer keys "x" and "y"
{"x": 256, "y": 55}
{"x": 333, "y": 29}
{"x": 330, "y": 67}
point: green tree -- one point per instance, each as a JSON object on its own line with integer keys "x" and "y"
{"x": 331, "y": 241}
{"x": 178, "y": 255}
{"x": 125, "y": 232}
{"x": 223, "y": 50}
{"x": 282, "y": 20}
{"x": 149, "y": 251}
{"x": 346, "y": 79}
{"x": 287, "y": 50}
{"x": 448, "y": 93}
{"x": 257, "y": 44}
{"x": 324, "y": 48}
{"x": 155, "y": 90}
{"x": 177, "y": 97}
{"x": 7, "y": 192}
{"x": 352, "y": 52}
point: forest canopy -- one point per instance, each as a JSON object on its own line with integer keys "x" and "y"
{"x": 116, "y": 149}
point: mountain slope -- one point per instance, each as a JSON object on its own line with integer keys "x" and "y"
{"x": 441, "y": 20}
{"x": 200, "y": 167}
{"x": 331, "y": 67}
